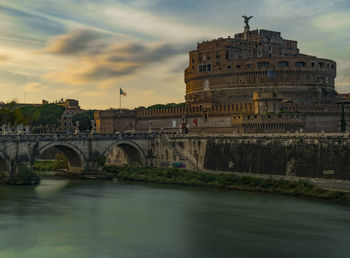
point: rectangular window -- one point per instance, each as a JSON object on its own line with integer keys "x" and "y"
{"x": 200, "y": 69}
{"x": 209, "y": 68}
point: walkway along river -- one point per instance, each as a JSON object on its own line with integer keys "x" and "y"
{"x": 74, "y": 218}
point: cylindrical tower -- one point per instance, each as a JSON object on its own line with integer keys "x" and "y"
{"x": 226, "y": 71}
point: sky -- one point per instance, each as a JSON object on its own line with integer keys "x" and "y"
{"x": 88, "y": 49}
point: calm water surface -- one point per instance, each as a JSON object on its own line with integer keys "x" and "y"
{"x": 72, "y": 218}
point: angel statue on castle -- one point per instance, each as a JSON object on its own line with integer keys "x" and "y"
{"x": 246, "y": 19}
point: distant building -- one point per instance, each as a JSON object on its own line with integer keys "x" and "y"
{"x": 229, "y": 70}
{"x": 72, "y": 108}
{"x": 69, "y": 103}
{"x": 256, "y": 82}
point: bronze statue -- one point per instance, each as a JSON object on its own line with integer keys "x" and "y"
{"x": 246, "y": 19}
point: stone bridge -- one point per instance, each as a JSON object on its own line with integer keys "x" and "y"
{"x": 305, "y": 155}
{"x": 81, "y": 150}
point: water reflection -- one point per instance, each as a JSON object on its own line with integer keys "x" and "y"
{"x": 72, "y": 218}
{"x": 50, "y": 186}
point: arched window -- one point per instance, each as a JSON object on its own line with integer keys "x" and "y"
{"x": 263, "y": 65}
{"x": 282, "y": 64}
{"x": 300, "y": 64}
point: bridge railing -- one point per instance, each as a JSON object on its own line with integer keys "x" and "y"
{"x": 81, "y": 136}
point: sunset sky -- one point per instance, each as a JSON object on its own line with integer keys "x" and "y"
{"x": 87, "y": 49}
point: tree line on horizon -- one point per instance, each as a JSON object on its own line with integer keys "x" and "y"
{"x": 168, "y": 105}
{"x": 47, "y": 117}
{"x": 42, "y": 118}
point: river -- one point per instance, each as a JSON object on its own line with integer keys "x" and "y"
{"x": 80, "y": 218}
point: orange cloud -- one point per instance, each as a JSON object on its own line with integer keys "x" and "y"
{"x": 95, "y": 59}
{"x": 34, "y": 86}
{"x": 4, "y": 58}
{"x": 74, "y": 43}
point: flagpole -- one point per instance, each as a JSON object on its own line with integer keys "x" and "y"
{"x": 120, "y": 100}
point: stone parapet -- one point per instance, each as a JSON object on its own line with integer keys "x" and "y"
{"x": 214, "y": 110}
{"x": 315, "y": 108}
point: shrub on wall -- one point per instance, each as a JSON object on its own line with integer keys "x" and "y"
{"x": 101, "y": 160}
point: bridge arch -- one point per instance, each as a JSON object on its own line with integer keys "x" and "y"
{"x": 133, "y": 152}
{"x": 76, "y": 159}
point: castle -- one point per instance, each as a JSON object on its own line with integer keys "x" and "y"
{"x": 255, "y": 82}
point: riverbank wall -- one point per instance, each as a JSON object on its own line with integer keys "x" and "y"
{"x": 300, "y": 155}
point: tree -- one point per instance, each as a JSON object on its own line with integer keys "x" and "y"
{"x": 11, "y": 115}
{"x": 30, "y": 113}
{"x": 60, "y": 162}
{"x": 84, "y": 119}
{"x": 169, "y": 105}
{"x": 47, "y": 117}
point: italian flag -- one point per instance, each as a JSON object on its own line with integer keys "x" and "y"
{"x": 122, "y": 92}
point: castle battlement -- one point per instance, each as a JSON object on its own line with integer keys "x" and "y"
{"x": 229, "y": 70}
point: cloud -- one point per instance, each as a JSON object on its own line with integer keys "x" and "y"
{"x": 4, "y": 58}
{"x": 34, "y": 86}
{"x": 152, "y": 25}
{"x": 99, "y": 59}
{"x": 337, "y": 21}
{"x": 93, "y": 93}
{"x": 346, "y": 72}
{"x": 79, "y": 41}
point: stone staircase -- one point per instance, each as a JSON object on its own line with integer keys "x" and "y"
{"x": 178, "y": 152}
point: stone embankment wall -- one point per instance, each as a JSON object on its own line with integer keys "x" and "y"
{"x": 303, "y": 155}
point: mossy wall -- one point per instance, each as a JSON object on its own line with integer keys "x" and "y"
{"x": 300, "y": 157}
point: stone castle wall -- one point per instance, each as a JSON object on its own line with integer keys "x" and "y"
{"x": 226, "y": 119}
{"x": 231, "y": 84}
{"x": 231, "y": 69}
{"x": 303, "y": 155}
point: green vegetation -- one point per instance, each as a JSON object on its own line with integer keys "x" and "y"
{"x": 25, "y": 176}
{"x": 101, "y": 160}
{"x": 50, "y": 165}
{"x": 10, "y": 114}
{"x": 169, "y": 105}
{"x": 43, "y": 165}
{"x": 84, "y": 119}
{"x": 223, "y": 180}
{"x": 43, "y": 118}
{"x": 60, "y": 162}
